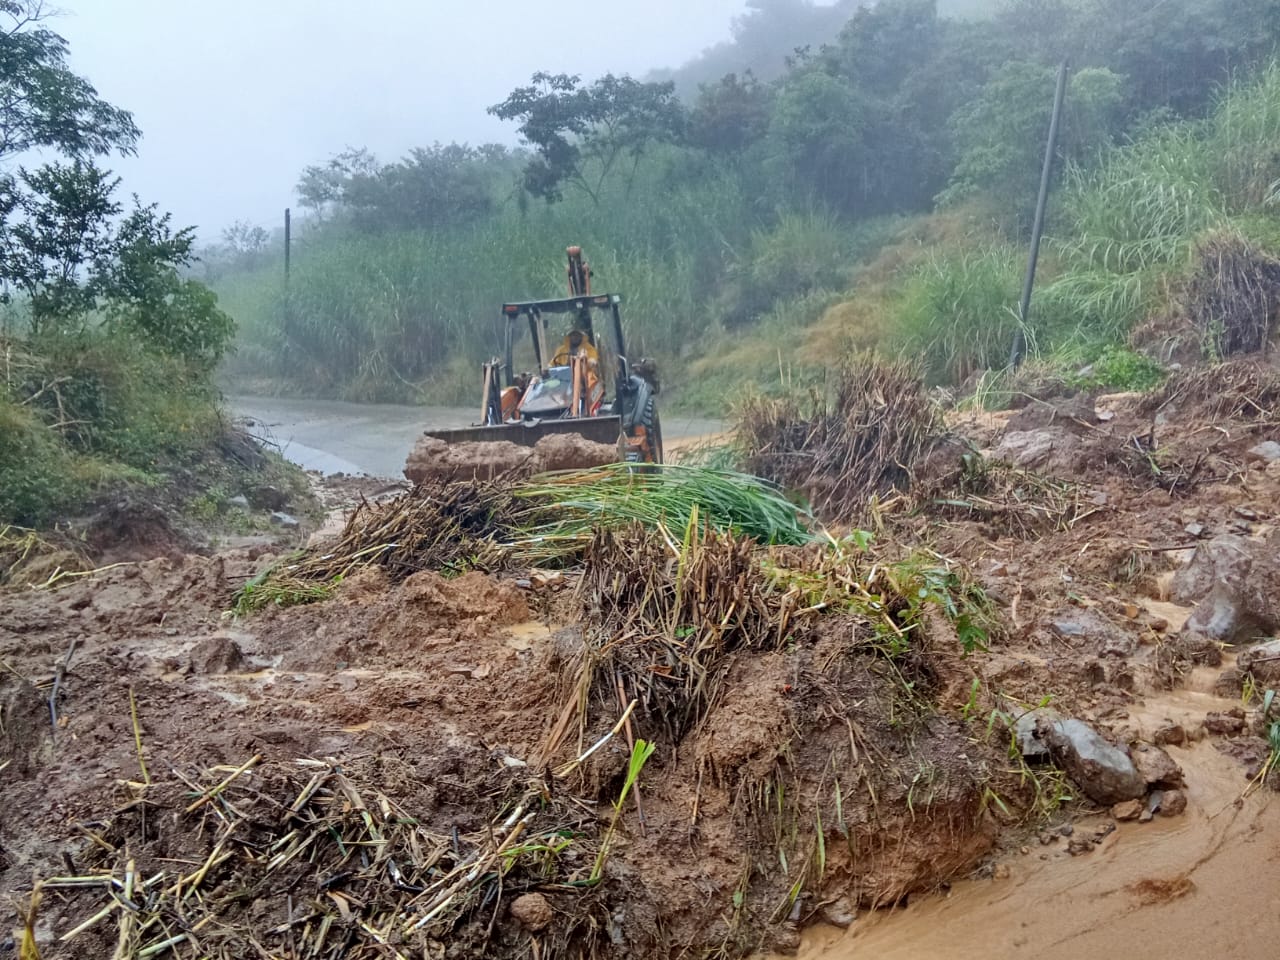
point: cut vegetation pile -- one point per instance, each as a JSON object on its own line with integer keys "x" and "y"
{"x": 310, "y": 859}
{"x": 1233, "y": 297}
{"x": 860, "y": 439}
{"x": 488, "y": 525}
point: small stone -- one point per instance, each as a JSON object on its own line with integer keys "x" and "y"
{"x": 1244, "y": 513}
{"x": 286, "y": 520}
{"x": 532, "y": 911}
{"x": 1158, "y": 769}
{"x": 1026, "y": 850}
{"x": 1266, "y": 452}
{"x": 1194, "y": 529}
{"x": 840, "y": 913}
{"x": 1001, "y": 872}
{"x": 1128, "y": 810}
{"x": 1106, "y": 416}
{"x": 1159, "y": 624}
{"x": 1046, "y": 839}
{"x": 1104, "y": 831}
{"x": 1171, "y": 734}
{"x": 1146, "y": 817}
{"x": 1079, "y": 845}
{"x": 1173, "y": 804}
{"x": 1066, "y": 829}
{"x": 239, "y": 501}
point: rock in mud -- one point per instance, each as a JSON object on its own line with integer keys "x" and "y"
{"x": 1222, "y": 616}
{"x": 840, "y": 913}
{"x": 267, "y": 497}
{"x": 1195, "y": 647}
{"x": 532, "y": 911}
{"x": 1033, "y": 449}
{"x": 1103, "y": 771}
{"x": 1223, "y": 560}
{"x": 216, "y": 655}
{"x": 1266, "y": 452}
{"x": 286, "y": 520}
{"x": 1158, "y": 769}
{"x": 1173, "y": 803}
{"x": 1225, "y": 724}
{"x": 1169, "y": 734}
{"x": 1072, "y": 623}
{"x": 1263, "y": 661}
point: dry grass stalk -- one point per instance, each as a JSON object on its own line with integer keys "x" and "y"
{"x": 362, "y": 878}
{"x": 1013, "y": 501}
{"x": 1242, "y": 389}
{"x": 665, "y": 612}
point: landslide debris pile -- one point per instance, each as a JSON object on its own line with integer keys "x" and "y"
{"x": 787, "y": 696}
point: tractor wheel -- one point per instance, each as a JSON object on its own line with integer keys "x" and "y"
{"x": 653, "y": 430}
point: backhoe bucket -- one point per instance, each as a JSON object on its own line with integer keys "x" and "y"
{"x": 528, "y": 433}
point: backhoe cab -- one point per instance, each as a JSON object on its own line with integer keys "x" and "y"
{"x": 568, "y": 392}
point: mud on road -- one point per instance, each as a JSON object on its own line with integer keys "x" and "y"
{"x": 330, "y": 436}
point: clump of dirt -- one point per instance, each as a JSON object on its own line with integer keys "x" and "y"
{"x": 438, "y": 461}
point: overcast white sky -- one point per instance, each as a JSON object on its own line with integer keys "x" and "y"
{"x": 235, "y": 97}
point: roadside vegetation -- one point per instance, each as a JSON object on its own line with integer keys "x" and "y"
{"x": 834, "y": 177}
{"x": 107, "y": 345}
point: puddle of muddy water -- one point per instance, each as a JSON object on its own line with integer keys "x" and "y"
{"x": 1200, "y": 885}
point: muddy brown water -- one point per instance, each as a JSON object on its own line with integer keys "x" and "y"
{"x": 331, "y": 436}
{"x": 1200, "y": 885}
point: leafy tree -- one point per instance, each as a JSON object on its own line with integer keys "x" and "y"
{"x": 56, "y": 238}
{"x": 580, "y": 133}
{"x": 245, "y": 239}
{"x": 764, "y": 38}
{"x": 321, "y": 188}
{"x": 42, "y": 102}
{"x": 145, "y": 294}
{"x": 731, "y": 116}
{"x": 62, "y": 246}
{"x": 817, "y": 139}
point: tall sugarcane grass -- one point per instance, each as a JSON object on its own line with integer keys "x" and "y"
{"x": 565, "y": 510}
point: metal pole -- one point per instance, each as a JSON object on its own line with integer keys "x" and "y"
{"x": 1037, "y": 231}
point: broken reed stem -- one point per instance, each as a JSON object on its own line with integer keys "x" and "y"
{"x": 572, "y": 765}
{"x": 57, "y": 683}
{"x": 137, "y": 737}
{"x": 210, "y": 794}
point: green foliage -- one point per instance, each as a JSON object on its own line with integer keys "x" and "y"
{"x": 926, "y": 583}
{"x": 566, "y": 509}
{"x": 1000, "y": 136}
{"x": 1118, "y": 368}
{"x": 960, "y": 312}
{"x": 801, "y": 254}
{"x": 640, "y": 755}
{"x": 38, "y": 477}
